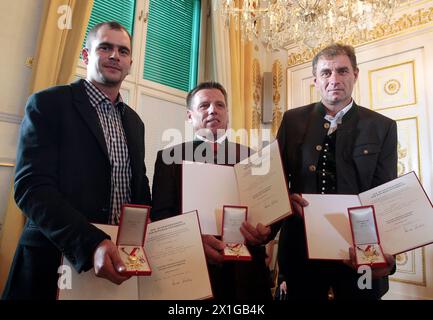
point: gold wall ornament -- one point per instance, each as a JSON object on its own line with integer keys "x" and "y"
{"x": 392, "y": 86}
{"x": 401, "y": 259}
{"x": 277, "y": 80}
{"x": 407, "y": 22}
{"x": 409, "y": 146}
{"x": 257, "y": 115}
{"x": 257, "y": 75}
{"x": 300, "y": 57}
{"x": 402, "y": 154}
{"x": 7, "y": 164}
{"x": 257, "y": 97}
{"x": 276, "y": 120}
{"x": 255, "y": 110}
{"x": 411, "y": 266}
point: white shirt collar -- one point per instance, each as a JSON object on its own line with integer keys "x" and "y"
{"x": 219, "y": 140}
{"x": 338, "y": 118}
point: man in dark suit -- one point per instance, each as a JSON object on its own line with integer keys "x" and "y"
{"x": 80, "y": 157}
{"x": 333, "y": 146}
{"x": 208, "y": 113}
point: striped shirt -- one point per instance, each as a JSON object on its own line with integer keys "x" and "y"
{"x": 110, "y": 117}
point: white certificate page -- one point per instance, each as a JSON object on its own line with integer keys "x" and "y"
{"x": 403, "y": 212}
{"x": 179, "y": 271}
{"x": 207, "y": 188}
{"x": 327, "y": 225}
{"x": 175, "y": 251}
{"x": 262, "y": 186}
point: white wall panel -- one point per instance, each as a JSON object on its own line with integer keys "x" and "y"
{"x": 158, "y": 116}
{"x": 18, "y": 36}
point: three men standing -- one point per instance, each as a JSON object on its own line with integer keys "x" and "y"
{"x": 80, "y": 158}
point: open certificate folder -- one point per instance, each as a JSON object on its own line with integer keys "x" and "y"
{"x": 404, "y": 217}
{"x": 257, "y": 182}
{"x": 176, "y": 255}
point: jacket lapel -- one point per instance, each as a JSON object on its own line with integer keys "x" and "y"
{"x": 346, "y": 134}
{"x": 88, "y": 113}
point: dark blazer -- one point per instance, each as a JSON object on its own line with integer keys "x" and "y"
{"x": 366, "y": 156}
{"x": 63, "y": 183}
{"x": 231, "y": 280}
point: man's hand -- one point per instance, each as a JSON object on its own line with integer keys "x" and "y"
{"x": 298, "y": 203}
{"x": 255, "y": 236}
{"x": 107, "y": 263}
{"x": 213, "y": 249}
{"x": 377, "y": 273}
{"x": 283, "y": 288}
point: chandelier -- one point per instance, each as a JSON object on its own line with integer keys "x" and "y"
{"x": 309, "y": 23}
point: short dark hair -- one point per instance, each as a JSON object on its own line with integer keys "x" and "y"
{"x": 333, "y": 50}
{"x": 202, "y": 86}
{"x": 113, "y": 25}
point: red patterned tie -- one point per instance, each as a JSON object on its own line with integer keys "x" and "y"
{"x": 215, "y": 146}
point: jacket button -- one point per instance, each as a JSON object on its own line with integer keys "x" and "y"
{"x": 326, "y": 125}
{"x": 319, "y": 147}
{"x": 365, "y": 151}
{"x": 312, "y": 168}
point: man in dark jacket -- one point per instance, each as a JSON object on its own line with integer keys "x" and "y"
{"x": 80, "y": 157}
{"x": 333, "y": 146}
{"x": 208, "y": 113}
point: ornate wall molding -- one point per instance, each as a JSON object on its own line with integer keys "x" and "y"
{"x": 407, "y": 22}
{"x": 257, "y": 95}
{"x": 277, "y": 81}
